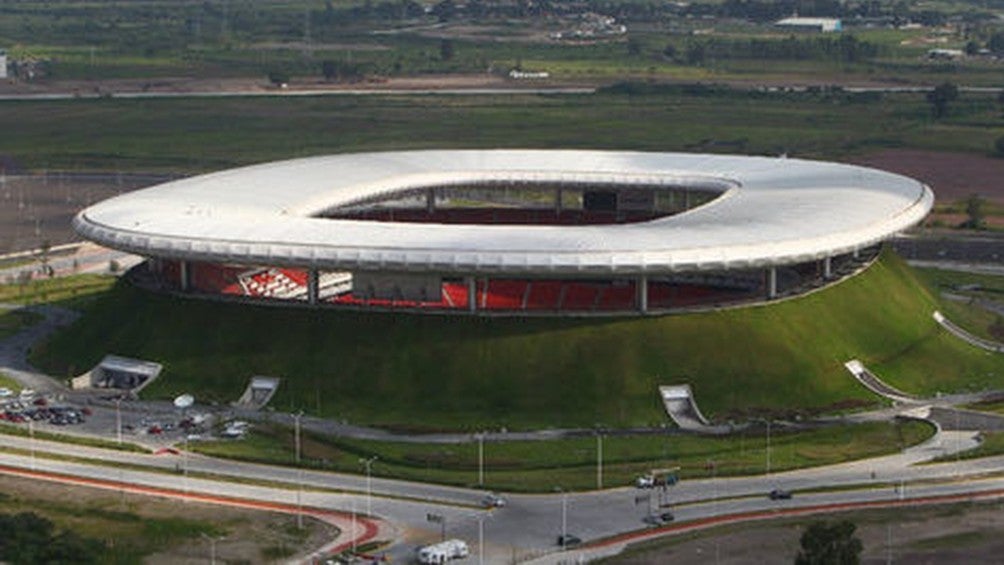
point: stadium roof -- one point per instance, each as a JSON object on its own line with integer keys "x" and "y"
{"x": 771, "y": 211}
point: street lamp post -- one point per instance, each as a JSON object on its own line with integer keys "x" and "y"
{"x": 564, "y": 517}
{"x": 31, "y": 441}
{"x": 296, "y": 434}
{"x": 369, "y": 487}
{"x": 599, "y": 461}
{"x": 481, "y": 540}
{"x": 118, "y": 420}
{"x": 768, "y": 447}
{"x": 481, "y": 459}
{"x": 212, "y": 546}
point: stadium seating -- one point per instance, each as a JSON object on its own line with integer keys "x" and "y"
{"x": 544, "y": 295}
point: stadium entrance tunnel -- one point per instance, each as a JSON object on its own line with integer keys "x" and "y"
{"x": 486, "y": 295}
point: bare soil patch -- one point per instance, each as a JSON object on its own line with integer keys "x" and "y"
{"x": 962, "y": 533}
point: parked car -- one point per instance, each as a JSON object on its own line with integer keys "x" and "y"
{"x": 779, "y": 494}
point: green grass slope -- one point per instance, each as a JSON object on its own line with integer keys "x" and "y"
{"x": 428, "y": 372}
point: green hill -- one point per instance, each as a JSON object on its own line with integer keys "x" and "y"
{"x": 427, "y": 372}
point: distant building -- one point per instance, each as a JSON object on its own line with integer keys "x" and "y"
{"x": 3, "y": 64}
{"x": 945, "y": 54}
{"x": 826, "y": 25}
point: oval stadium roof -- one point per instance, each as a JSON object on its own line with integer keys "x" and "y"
{"x": 772, "y": 211}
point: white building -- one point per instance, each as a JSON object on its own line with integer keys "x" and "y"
{"x": 826, "y": 25}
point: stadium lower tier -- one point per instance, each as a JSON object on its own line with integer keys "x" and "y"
{"x": 496, "y": 295}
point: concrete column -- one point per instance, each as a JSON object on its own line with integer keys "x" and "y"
{"x": 641, "y": 293}
{"x": 430, "y": 200}
{"x": 771, "y": 283}
{"x": 856, "y": 254}
{"x": 557, "y": 199}
{"x": 472, "y": 294}
{"x": 313, "y": 286}
{"x": 686, "y": 199}
{"x": 184, "y": 276}
{"x": 827, "y": 267}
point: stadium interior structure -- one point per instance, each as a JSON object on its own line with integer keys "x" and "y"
{"x": 510, "y": 204}
{"x": 526, "y": 232}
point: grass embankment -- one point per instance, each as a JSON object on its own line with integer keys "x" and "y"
{"x": 431, "y": 372}
{"x": 571, "y": 463}
{"x": 13, "y": 321}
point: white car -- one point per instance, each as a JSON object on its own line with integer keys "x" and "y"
{"x": 6, "y": 392}
{"x": 492, "y": 500}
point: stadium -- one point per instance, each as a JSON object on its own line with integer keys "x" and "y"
{"x": 542, "y": 232}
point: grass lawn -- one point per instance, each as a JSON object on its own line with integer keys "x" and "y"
{"x": 9, "y": 383}
{"x": 71, "y": 292}
{"x": 537, "y": 466}
{"x": 205, "y": 134}
{"x": 432, "y": 372}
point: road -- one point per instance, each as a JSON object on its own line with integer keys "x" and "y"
{"x": 528, "y": 525}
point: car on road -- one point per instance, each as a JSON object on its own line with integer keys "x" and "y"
{"x": 656, "y": 520}
{"x": 493, "y": 500}
{"x": 568, "y": 540}
{"x": 779, "y": 494}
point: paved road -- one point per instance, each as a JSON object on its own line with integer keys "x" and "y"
{"x": 529, "y": 524}
{"x": 292, "y": 93}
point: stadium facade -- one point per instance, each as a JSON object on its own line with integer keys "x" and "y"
{"x": 511, "y": 231}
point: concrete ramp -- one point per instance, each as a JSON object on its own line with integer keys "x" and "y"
{"x": 877, "y": 385}
{"x": 681, "y": 407}
{"x": 258, "y": 393}
{"x": 962, "y": 334}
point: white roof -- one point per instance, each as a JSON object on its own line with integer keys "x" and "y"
{"x": 772, "y": 211}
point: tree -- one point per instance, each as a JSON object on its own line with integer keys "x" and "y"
{"x": 278, "y": 78}
{"x": 669, "y": 51}
{"x": 941, "y": 96}
{"x": 975, "y": 212}
{"x": 972, "y": 48}
{"x": 996, "y": 43}
{"x": 329, "y": 69}
{"x": 826, "y": 543}
{"x": 445, "y": 49}
{"x": 633, "y": 47}
{"x": 999, "y": 145}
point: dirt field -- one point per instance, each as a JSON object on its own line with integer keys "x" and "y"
{"x": 953, "y": 176}
{"x": 249, "y": 536}
{"x": 950, "y": 534}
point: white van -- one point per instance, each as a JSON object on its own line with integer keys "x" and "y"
{"x": 441, "y": 552}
